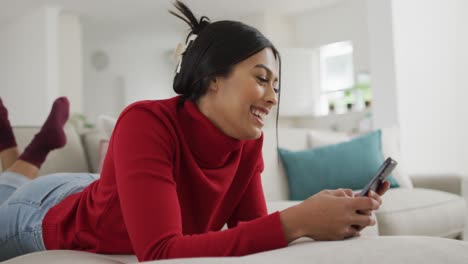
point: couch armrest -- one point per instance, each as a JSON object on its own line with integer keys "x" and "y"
{"x": 451, "y": 183}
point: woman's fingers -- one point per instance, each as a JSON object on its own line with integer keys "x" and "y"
{"x": 353, "y": 231}
{"x": 364, "y": 203}
{"x": 364, "y": 212}
{"x": 348, "y": 192}
{"x": 359, "y": 224}
{"x": 363, "y": 221}
{"x": 343, "y": 192}
{"x": 383, "y": 188}
{"x": 375, "y": 196}
{"x": 342, "y": 213}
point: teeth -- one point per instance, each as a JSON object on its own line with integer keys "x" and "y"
{"x": 258, "y": 113}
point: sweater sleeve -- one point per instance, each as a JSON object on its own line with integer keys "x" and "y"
{"x": 252, "y": 204}
{"x": 143, "y": 151}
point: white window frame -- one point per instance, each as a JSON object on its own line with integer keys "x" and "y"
{"x": 335, "y": 89}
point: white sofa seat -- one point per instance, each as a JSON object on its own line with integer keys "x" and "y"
{"x": 382, "y": 250}
{"x": 422, "y": 212}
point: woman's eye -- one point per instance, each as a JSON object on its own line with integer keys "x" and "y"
{"x": 263, "y": 80}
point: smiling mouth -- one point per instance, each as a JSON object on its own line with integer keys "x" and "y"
{"x": 259, "y": 113}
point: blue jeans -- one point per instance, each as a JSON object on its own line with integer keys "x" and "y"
{"x": 24, "y": 203}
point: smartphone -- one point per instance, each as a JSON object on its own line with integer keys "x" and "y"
{"x": 382, "y": 173}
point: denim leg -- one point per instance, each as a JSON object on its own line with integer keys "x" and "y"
{"x": 14, "y": 246}
{"x": 21, "y": 215}
{"x": 9, "y": 182}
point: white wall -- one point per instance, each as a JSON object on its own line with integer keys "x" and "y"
{"x": 278, "y": 29}
{"x": 274, "y": 26}
{"x": 382, "y": 65}
{"x": 52, "y": 45}
{"x": 41, "y": 60}
{"x": 28, "y": 64}
{"x": 140, "y": 66}
{"x": 426, "y": 59}
{"x": 300, "y": 73}
{"x": 462, "y": 74}
{"x": 344, "y": 21}
{"x": 70, "y": 72}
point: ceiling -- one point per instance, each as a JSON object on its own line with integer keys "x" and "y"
{"x": 128, "y": 11}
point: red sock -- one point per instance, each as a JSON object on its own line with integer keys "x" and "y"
{"x": 51, "y": 136}
{"x": 7, "y": 138}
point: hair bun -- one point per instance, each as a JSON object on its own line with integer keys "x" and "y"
{"x": 189, "y": 18}
{"x": 204, "y": 21}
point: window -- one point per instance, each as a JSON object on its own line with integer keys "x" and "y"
{"x": 336, "y": 77}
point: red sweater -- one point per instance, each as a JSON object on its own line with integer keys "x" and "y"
{"x": 169, "y": 183}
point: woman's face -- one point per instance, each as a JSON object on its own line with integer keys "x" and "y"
{"x": 238, "y": 104}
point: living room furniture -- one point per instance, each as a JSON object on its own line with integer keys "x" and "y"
{"x": 414, "y": 222}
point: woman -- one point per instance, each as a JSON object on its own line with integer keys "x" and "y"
{"x": 177, "y": 169}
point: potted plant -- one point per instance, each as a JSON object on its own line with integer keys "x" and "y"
{"x": 366, "y": 92}
{"x": 80, "y": 122}
{"x": 331, "y": 106}
{"x": 349, "y": 98}
{"x": 363, "y": 86}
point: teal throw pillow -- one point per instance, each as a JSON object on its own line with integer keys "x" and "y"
{"x": 347, "y": 165}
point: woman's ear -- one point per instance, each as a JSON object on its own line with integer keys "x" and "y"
{"x": 214, "y": 84}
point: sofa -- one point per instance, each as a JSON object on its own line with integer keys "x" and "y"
{"x": 425, "y": 220}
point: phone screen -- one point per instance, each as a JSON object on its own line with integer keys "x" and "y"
{"x": 382, "y": 173}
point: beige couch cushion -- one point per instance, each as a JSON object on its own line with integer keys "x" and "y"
{"x": 92, "y": 141}
{"x": 96, "y": 141}
{"x": 421, "y": 212}
{"x": 70, "y": 158}
{"x": 70, "y": 257}
{"x": 321, "y": 138}
{"x": 381, "y": 250}
{"x": 274, "y": 180}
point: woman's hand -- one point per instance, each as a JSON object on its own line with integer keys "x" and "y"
{"x": 328, "y": 215}
{"x": 383, "y": 188}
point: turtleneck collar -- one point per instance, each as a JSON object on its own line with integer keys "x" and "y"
{"x": 210, "y": 146}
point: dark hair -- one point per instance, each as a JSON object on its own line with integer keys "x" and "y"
{"x": 215, "y": 51}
